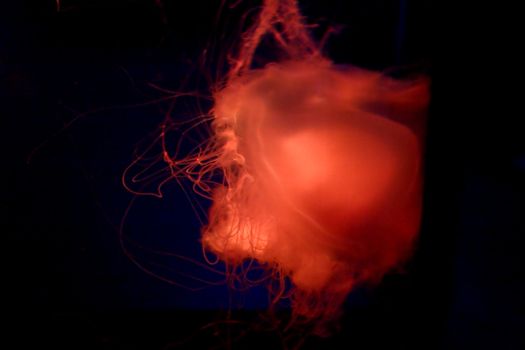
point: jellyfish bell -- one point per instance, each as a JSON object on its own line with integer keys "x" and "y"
{"x": 322, "y": 170}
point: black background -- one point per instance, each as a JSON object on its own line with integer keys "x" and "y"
{"x": 68, "y": 282}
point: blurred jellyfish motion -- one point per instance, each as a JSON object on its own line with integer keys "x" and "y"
{"x": 313, "y": 170}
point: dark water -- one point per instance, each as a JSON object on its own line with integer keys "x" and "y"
{"x": 70, "y": 286}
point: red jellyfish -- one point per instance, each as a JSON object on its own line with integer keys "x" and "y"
{"x": 321, "y": 167}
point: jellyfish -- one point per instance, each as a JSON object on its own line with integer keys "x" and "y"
{"x": 314, "y": 169}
